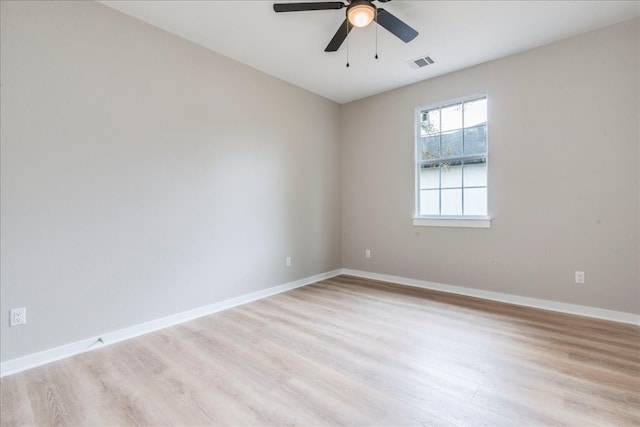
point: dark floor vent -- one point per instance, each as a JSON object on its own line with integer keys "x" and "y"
{"x": 421, "y": 62}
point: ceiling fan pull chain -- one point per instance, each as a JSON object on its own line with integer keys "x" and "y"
{"x": 376, "y": 33}
{"x": 347, "y": 45}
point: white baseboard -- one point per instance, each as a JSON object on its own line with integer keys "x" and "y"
{"x": 580, "y": 310}
{"x": 47, "y": 356}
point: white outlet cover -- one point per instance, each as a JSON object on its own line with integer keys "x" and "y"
{"x": 17, "y": 316}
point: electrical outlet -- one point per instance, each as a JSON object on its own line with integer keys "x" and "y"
{"x": 287, "y": 261}
{"x": 17, "y": 316}
{"x": 580, "y": 277}
{"x": 367, "y": 253}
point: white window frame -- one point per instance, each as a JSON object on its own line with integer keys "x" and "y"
{"x": 467, "y": 221}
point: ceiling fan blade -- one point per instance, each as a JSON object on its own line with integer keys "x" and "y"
{"x": 299, "y": 7}
{"x": 395, "y": 26}
{"x": 339, "y": 36}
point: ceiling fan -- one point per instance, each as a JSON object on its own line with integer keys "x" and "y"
{"x": 360, "y": 13}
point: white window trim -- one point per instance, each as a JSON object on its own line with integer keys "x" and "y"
{"x": 460, "y": 221}
{"x": 453, "y": 221}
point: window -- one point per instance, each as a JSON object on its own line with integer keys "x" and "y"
{"x": 451, "y": 152}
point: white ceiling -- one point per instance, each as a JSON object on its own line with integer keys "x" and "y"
{"x": 456, "y": 34}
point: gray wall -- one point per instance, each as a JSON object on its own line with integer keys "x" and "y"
{"x": 563, "y": 177}
{"x": 143, "y": 175}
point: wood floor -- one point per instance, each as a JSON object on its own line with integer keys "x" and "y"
{"x": 348, "y": 351}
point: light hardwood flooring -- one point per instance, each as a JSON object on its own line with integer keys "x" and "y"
{"x": 348, "y": 351}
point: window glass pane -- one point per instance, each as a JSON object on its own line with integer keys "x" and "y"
{"x": 451, "y": 175}
{"x": 475, "y": 140}
{"x": 429, "y": 202}
{"x": 475, "y": 174}
{"x": 429, "y": 176}
{"x": 475, "y": 112}
{"x": 451, "y": 118}
{"x": 430, "y": 147}
{"x": 451, "y": 202}
{"x": 430, "y": 122}
{"x": 451, "y": 144}
{"x": 475, "y": 201}
{"x": 452, "y": 159}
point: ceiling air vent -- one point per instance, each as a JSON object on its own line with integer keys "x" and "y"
{"x": 421, "y": 62}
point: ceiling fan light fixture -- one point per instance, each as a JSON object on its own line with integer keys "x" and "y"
{"x": 361, "y": 15}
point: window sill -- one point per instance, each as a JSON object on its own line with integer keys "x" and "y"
{"x": 453, "y": 221}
